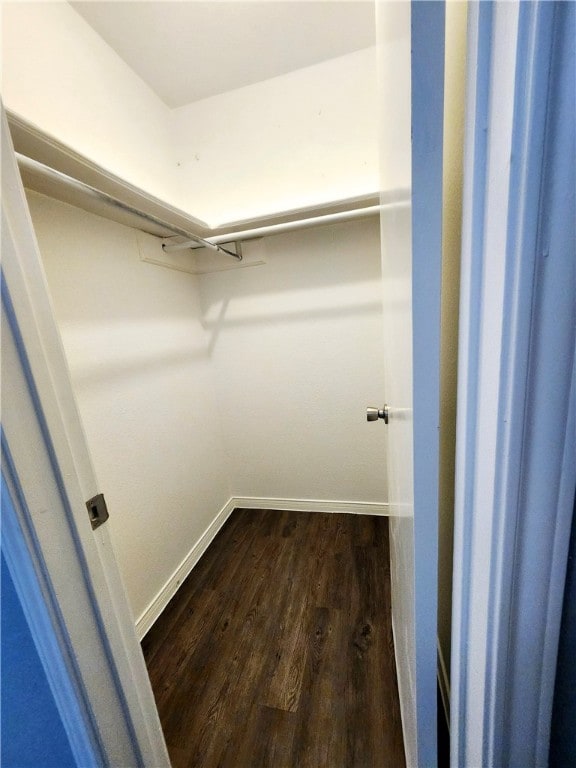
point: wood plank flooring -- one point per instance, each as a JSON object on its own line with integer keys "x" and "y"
{"x": 277, "y": 650}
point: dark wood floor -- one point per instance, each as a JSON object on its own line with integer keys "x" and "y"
{"x": 277, "y": 650}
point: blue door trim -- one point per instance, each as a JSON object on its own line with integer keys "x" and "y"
{"x": 428, "y": 36}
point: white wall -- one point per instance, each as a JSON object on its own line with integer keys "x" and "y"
{"x": 300, "y": 139}
{"x": 296, "y": 140}
{"x": 251, "y": 382}
{"x": 297, "y": 349}
{"x": 60, "y": 75}
{"x": 140, "y": 368}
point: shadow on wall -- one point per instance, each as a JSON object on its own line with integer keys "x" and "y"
{"x": 316, "y": 257}
{"x": 221, "y": 323}
{"x": 329, "y": 274}
{"x": 137, "y": 367}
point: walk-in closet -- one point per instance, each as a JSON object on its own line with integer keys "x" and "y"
{"x": 221, "y": 198}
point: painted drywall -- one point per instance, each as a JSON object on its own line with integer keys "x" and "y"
{"x": 297, "y": 349}
{"x": 455, "y": 82}
{"x": 306, "y": 137}
{"x": 192, "y": 50}
{"x": 58, "y": 74}
{"x": 139, "y": 363}
{"x": 296, "y": 140}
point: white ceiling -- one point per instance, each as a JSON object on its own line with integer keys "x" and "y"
{"x": 190, "y": 50}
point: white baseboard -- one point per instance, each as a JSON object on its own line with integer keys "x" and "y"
{"x": 155, "y": 608}
{"x": 157, "y": 605}
{"x": 311, "y": 505}
{"x": 444, "y": 683}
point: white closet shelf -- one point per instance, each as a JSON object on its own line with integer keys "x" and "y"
{"x": 58, "y": 172}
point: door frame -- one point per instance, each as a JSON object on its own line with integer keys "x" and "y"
{"x": 64, "y": 572}
{"x": 412, "y": 42}
{"x": 516, "y": 429}
{"x": 428, "y": 32}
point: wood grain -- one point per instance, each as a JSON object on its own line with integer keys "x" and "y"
{"x": 277, "y": 650}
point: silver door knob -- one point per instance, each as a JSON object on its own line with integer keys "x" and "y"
{"x": 373, "y": 414}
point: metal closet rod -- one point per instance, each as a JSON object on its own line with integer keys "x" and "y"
{"x": 45, "y": 170}
{"x": 312, "y": 221}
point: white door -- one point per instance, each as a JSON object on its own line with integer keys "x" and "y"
{"x": 64, "y": 572}
{"x": 411, "y": 68}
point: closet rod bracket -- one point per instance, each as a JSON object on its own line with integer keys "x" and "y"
{"x": 168, "y": 246}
